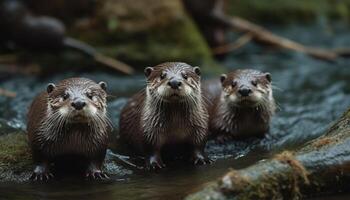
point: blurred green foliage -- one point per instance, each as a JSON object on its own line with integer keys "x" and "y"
{"x": 290, "y": 11}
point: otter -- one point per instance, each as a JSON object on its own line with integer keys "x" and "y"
{"x": 69, "y": 122}
{"x": 170, "y": 112}
{"x": 243, "y": 106}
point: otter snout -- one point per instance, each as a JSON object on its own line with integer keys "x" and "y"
{"x": 174, "y": 84}
{"x": 244, "y": 92}
{"x": 78, "y": 105}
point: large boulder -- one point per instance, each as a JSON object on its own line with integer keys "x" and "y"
{"x": 145, "y": 32}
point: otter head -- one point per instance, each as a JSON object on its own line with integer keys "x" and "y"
{"x": 246, "y": 87}
{"x": 173, "y": 81}
{"x": 77, "y": 100}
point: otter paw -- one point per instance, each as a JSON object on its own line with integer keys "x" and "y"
{"x": 41, "y": 173}
{"x": 41, "y": 176}
{"x": 96, "y": 175}
{"x": 154, "y": 163}
{"x": 201, "y": 160}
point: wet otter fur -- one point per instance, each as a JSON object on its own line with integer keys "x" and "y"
{"x": 170, "y": 112}
{"x": 68, "y": 122}
{"x": 242, "y": 107}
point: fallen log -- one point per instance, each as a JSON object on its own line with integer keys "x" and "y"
{"x": 320, "y": 167}
{"x": 262, "y": 35}
{"x": 240, "y": 42}
{"x": 98, "y": 57}
{"x": 213, "y": 21}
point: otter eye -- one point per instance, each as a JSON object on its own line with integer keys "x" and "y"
{"x": 163, "y": 76}
{"x": 184, "y": 75}
{"x": 234, "y": 83}
{"x": 89, "y": 95}
{"x": 65, "y": 96}
{"x": 254, "y": 82}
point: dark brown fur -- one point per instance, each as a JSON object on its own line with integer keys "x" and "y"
{"x": 241, "y": 119}
{"x": 149, "y": 124}
{"x": 53, "y": 140}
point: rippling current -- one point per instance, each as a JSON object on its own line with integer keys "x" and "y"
{"x": 310, "y": 93}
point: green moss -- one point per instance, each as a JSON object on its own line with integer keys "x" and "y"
{"x": 16, "y": 160}
{"x": 146, "y": 37}
{"x": 179, "y": 41}
{"x": 287, "y": 11}
{"x": 14, "y": 152}
{"x": 340, "y": 10}
{"x": 346, "y": 114}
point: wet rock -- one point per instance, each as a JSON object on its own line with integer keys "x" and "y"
{"x": 15, "y": 157}
{"x": 319, "y": 167}
{"x": 5, "y": 127}
{"x": 113, "y": 168}
{"x": 16, "y": 160}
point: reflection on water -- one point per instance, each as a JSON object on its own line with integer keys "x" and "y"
{"x": 172, "y": 183}
{"x": 311, "y": 94}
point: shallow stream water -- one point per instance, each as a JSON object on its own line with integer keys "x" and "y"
{"x": 310, "y": 93}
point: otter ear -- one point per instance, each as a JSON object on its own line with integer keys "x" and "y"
{"x": 268, "y": 76}
{"x": 50, "y": 87}
{"x": 148, "y": 71}
{"x": 223, "y": 77}
{"x": 197, "y": 70}
{"x": 103, "y": 85}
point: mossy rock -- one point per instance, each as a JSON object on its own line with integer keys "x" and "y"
{"x": 15, "y": 157}
{"x": 162, "y": 45}
{"x": 289, "y": 11}
{"x": 16, "y": 161}
{"x": 145, "y": 37}
{"x": 320, "y": 165}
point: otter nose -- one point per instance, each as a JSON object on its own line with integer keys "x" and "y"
{"x": 244, "y": 92}
{"x": 175, "y": 84}
{"x": 78, "y": 105}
